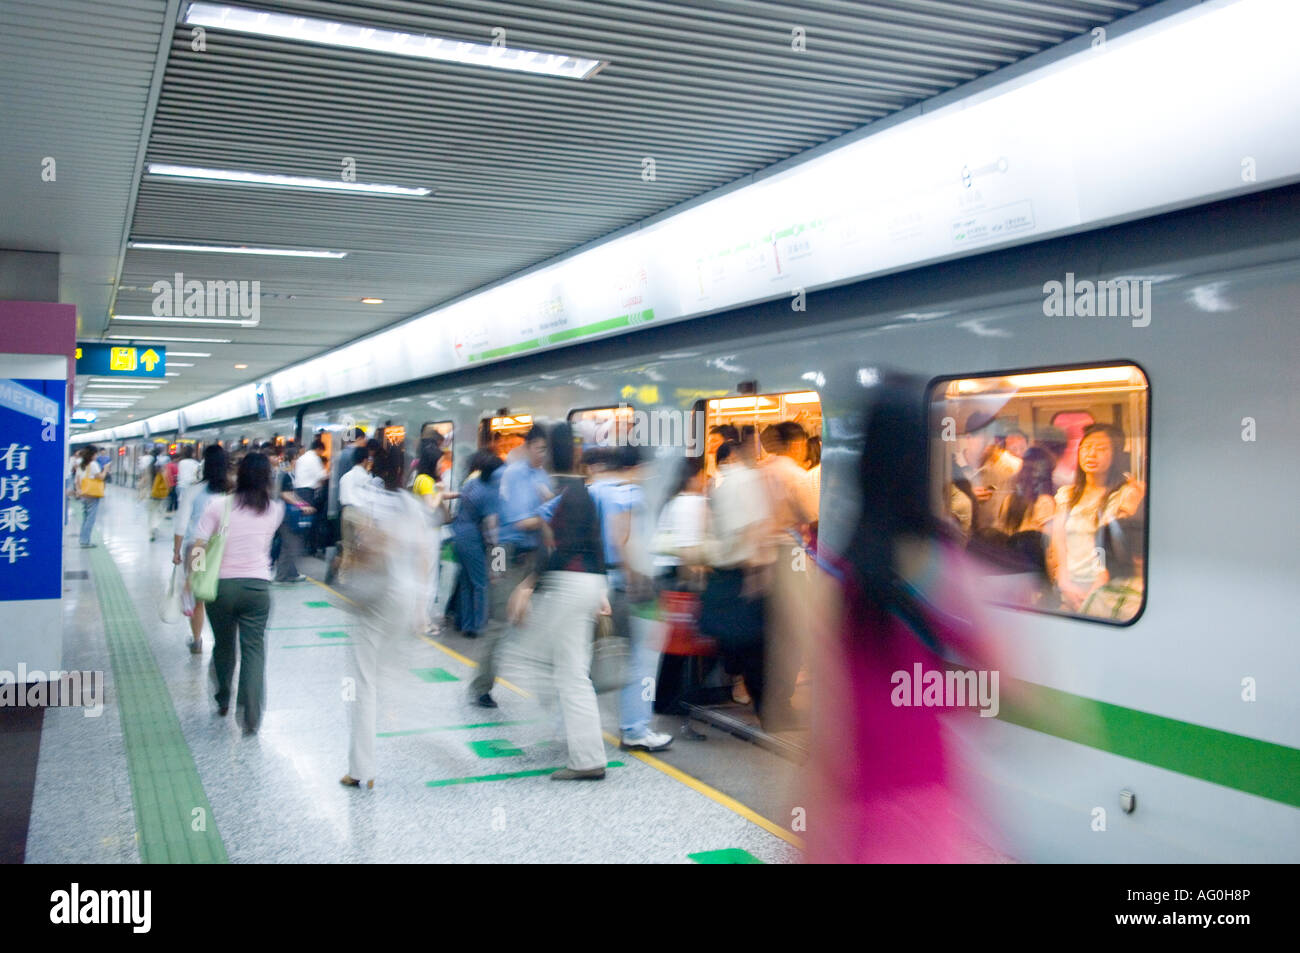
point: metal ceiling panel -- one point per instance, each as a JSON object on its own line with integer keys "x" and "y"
{"x": 523, "y": 167}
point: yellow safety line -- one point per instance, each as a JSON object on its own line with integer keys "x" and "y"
{"x": 712, "y": 793}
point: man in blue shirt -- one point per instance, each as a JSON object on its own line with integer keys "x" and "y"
{"x": 524, "y": 487}
{"x": 621, "y": 506}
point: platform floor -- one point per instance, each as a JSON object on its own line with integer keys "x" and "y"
{"x": 159, "y": 777}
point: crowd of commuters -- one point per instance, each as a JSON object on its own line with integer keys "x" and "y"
{"x": 1076, "y": 531}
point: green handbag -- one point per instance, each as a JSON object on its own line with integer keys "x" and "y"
{"x": 205, "y": 577}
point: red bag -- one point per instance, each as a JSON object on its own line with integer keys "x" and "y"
{"x": 680, "y": 611}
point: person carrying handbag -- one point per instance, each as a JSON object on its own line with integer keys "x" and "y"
{"x": 240, "y": 602}
{"x": 88, "y": 486}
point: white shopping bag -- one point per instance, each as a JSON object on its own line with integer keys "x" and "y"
{"x": 169, "y": 607}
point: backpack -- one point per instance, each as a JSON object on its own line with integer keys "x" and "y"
{"x": 160, "y": 486}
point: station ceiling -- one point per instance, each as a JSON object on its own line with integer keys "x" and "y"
{"x": 522, "y": 167}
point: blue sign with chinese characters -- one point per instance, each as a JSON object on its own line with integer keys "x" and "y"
{"x": 31, "y": 489}
{"x": 115, "y": 360}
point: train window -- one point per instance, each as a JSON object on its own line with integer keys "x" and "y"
{"x": 602, "y": 426}
{"x": 503, "y": 433}
{"x": 1044, "y": 473}
{"x": 754, "y": 419}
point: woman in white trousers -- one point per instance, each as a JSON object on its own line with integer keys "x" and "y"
{"x": 387, "y": 572}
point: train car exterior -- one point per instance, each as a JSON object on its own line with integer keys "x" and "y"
{"x": 1186, "y": 705}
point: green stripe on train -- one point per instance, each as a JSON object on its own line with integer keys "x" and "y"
{"x": 1246, "y": 764}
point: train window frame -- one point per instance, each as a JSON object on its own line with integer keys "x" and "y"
{"x": 701, "y": 406}
{"x": 943, "y": 380}
{"x": 568, "y": 418}
{"x": 485, "y": 425}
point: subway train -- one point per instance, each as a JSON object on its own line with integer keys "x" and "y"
{"x": 1164, "y": 731}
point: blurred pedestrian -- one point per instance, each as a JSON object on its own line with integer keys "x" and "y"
{"x": 901, "y": 602}
{"x": 214, "y": 485}
{"x": 385, "y": 575}
{"x": 243, "y": 603}
{"x": 553, "y": 648}
{"x": 88, "y": 486}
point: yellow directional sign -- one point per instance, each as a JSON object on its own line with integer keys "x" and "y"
{"x": 123, "y": 360}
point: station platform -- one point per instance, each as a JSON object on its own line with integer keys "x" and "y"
{"x": 159, "y": 777}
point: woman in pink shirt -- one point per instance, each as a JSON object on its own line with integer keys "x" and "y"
{"x": 900, "y": 601}
{"x": 243, "y": 593}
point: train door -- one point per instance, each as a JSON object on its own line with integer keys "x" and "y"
{"x": 754, "y": 420}
{"x": 504, "y": 432}
{"x": 602, "y": 426}
{"x": 445, "y": 432}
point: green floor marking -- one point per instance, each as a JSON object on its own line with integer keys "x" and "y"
{"x": 425, "y": 731}
{"x": 315, "y": 625}
{"x": 494, "y": 748}
{"x": 332, "y": 635}
{"x": 434, "y": 675}
{"x": 731, "y": 855}
{"x": 506, "y": 776}
{"x": 316, "y": 645}
{"x": 317, "y": 604}
{"x": 165, "y": 784}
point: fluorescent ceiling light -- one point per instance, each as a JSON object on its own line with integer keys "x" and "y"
{"x": 273, "y": 180}
{"x": 178, "y": 364}
{"x": 240, "y": 250}
{"x": 144, "y": 317}
{"x": 187, "y": 354}
{"x": 372, "y": 300}
{"x": 128, "y": 386}
{"x": 173, "y": 373}
{"x": 357, "y": 37}
{"x": 150, "y": 337}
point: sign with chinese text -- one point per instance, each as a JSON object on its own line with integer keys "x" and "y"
{"x": 31, "y": 489}
{"x": 114, "y": 360}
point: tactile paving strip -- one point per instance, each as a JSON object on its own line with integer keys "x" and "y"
{"x": 174, "y": 821}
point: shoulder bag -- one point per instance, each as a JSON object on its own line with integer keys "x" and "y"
{"x": 205, "y": 578}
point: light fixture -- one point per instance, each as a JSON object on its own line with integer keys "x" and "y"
{"x": 357, "y": 37}
{"x": 128, "y": 386}
{"x": 150, "y": 337}
{"x": 187, "y": 354}
{"x": 239, "y": 250}
{"x": 241, "y": 367}
{"x": 173, "y": 373}
{"x": 372, "y": 300}
{"x": 274, "y": 181}
{"x": 1091, "y": 375}
{"x": 178, "y": 363}
{"x": 148, "y": 317}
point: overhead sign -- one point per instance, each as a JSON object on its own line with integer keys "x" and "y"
{"x": 112, "y": 360}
